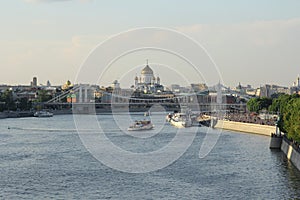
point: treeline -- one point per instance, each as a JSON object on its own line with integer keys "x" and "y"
{"x": 9, "y": 101}
{"x": 288, "y": 107}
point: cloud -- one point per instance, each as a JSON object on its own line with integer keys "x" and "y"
{"x": 259, "y": 50}
{"x": 258, "y": 33}
{"x": 43, "y": 58}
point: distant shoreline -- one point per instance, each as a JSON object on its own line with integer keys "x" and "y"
{"x": 23, "y": 114}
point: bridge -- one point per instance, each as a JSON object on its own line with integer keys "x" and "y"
{"x": 85, "y": 102}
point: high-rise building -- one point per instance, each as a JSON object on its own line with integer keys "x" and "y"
{"x": 48, "y": 83}
{"x": 34, "y": 82}
{"x": 297, "y": 82}
{"x": 295, "y": 88}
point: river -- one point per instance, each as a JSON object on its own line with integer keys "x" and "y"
{"x": 45, "y": 158}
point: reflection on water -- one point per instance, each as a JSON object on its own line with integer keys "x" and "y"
{"x": 44, "y": 158}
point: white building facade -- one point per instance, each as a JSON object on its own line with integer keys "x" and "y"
{"x": 147, "y": 82}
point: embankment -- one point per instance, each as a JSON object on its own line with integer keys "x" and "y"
{"x": 290, "y": 151}
{"x": 246, "y": 127}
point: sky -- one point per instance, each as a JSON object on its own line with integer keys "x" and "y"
{"x": 252, "y": 42}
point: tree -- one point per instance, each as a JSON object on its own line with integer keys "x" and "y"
{"x": 257, "y": 104}
{"x": 24, "y": 104}
{"x": 252, "y": 105}
{"x": 276, "y": 95}
{"x": 43, "y": 96}
{"x": 291, "y": 119}
{"x": 7, "y": 99}
{"x": 289, "y": 107}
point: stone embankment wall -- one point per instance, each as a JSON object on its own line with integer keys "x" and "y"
{"x": 246, "y": 127}
{"x": 291, "y": 153}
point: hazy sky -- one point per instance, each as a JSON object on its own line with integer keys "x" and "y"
{"x": 252, "y": 42}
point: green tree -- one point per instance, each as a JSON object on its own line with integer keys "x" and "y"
{"x": 279, "y": 103}
{"x": 289, "y": 107}
{"x": 257, "y": 104}
{"x": 265, "y": 103}
{"x": 291, "y": 119}
{"x": 24, "y": 104}
{"x": 7, "y": 99}
{"x": 43, "y": 96}
{"x": 252, "y": 105}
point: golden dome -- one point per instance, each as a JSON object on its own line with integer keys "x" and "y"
{"x": 147, "y": 70}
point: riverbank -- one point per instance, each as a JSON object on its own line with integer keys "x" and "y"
{"x": 266, "y": 130}
{"x": 15, "y": 114}
{"x": 21, "y": 114}
{"x": 291, "y": 151}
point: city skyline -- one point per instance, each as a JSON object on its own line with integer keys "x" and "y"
{"x": 34, "y": 83}
{"x": 130, "y": 81}
{"x": 253, "y": 43}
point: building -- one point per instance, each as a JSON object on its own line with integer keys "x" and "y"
{"x": 48, "y": 84}
{"x": 177, "y": 89}
{"x": 244, "y": 89}
{"x": 34, "y": 82}
{"x": 268, "y": 90}
{"x": 199, "y": 87}
{"x": 297, "y": 82}
{"x": 295, "y": 88}
{"x": 148, "y": 91}
{"x": 147, "y": 82}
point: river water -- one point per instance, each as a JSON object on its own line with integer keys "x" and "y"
{"x": 45, "y": 158}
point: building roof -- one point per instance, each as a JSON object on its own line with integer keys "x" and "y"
{"x": 147, "y": 70}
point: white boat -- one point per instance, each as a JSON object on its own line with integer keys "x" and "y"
{"x": 43, "y": 113}
{"x": 180, "y": 120}
{"x": 187, "y": 119}
{"x": 141, "y": 125}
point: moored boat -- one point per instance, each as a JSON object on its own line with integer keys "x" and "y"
{"x": 141, "y": 125}
{"x": 206, "y": 120}
{"x": 43, "y": 113}
{"x": 183, "y": 120}
{"x": 180, "y": 120}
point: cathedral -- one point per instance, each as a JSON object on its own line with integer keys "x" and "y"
{"x": 147, "y": 83}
